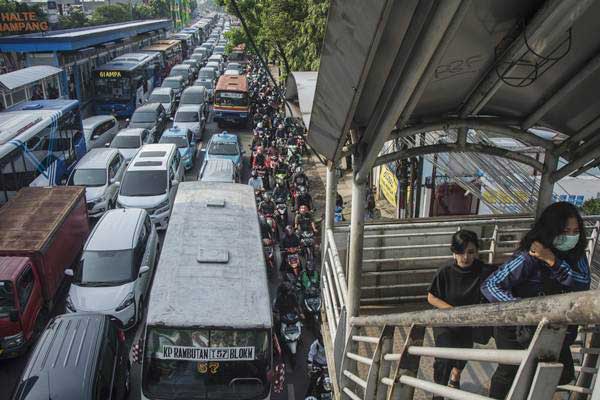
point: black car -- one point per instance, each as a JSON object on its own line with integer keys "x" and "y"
{"x": 151, "y": 116}
{"x": 79, "y": 356}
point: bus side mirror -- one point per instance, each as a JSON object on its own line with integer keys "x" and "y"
{"x": 13, "y": 315}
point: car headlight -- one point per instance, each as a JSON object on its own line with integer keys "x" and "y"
{"x": 14, "y": 340}
{"x": 129, "y": 299}
{"x": 162, "y": 207}
{"x": 98, "y": 200}
{"x": 69, "y": 305}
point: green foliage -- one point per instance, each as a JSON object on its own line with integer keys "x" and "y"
{"x": 289, "y": 31}
{"x": 143, "y": 11}
{"x": 75, "y": 19}
{"x": 591, "y": 207}
{"x": 160, "y": 8}
{"x": 13, "y": 6}
{"x": 111, "y": 14}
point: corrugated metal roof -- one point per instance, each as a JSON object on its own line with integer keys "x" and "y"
{"x": 26, "y": 76}
{"x": 302, "y": 84}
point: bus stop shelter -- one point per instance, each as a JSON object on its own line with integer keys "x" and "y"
{"x": 33, "y": 83}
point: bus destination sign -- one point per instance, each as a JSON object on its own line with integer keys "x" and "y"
{"x": 109, "y": 74}
{"x": 184, "y": 353}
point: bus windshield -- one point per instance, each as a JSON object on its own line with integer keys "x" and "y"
{"x": 113, "y": 88}
{"x": 206, "y": 364}
{"x": 231, "y": 99}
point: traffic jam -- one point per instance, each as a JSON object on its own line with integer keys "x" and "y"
{"x": 168, "y": 246}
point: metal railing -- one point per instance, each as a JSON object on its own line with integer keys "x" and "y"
{"x": 393, "y": 374}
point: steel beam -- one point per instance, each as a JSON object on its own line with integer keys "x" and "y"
{"x": 578, "y": 308}
{"x": 378, "y": 130}
{"x": 330, "y": 198}
{"x": 479, "y": 123}
{"x": 455, "y": 148}
{"x": 573, "y": 141}
{"x": 576, "y": 164}
{"x": 547, "y": 182}
{"x": 549, "y": 23}
{"x": 562, "y": 92}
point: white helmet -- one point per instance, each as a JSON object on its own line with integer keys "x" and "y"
{"x": 259, "y": 125}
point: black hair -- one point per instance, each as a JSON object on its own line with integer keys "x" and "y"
{"x": 552, "y": 223}
{"x": 461, "y": 239}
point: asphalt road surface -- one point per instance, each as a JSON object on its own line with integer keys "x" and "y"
{"x": 296, "y": 380}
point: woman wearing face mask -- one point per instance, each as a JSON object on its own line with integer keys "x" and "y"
{"x": 456, "y": 285}
{"x": 550, "y": 260}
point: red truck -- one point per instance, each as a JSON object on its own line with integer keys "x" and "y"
{"x": 42, "y": 233}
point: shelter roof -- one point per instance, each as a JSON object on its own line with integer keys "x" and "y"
{"x": 26, "y": 76}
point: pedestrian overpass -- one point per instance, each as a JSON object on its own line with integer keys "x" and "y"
{"x": 397, "y": 69}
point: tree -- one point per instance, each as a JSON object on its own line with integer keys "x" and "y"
{"x": 111, "y": 14}
{"x": 290, "y": 31}
{"x": 76, "y": 19}
{"x": 591, "y": 207}
{"x": 160, "y": 8}
{"x": 143, "y": 11}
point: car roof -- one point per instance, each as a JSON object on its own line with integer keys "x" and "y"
{"x": 175, "y": 131}
{"x": 97, "y": 158}
{"x": 224, "y": 137}
{"x": 148, "y": 107}
{"x": 180, "y": 66}
{"x": 96, "y": 120}
{"x": 162, "y": 90}
{"x": 116, "y": 230}
{"x": 189, "y": 107}
{"x": 173, "y": 78}
{"x": 156, "y": 153}
{"x": 217, "y": 170}
{"x": 131, "y": 132}
{"x": 65, "y": 358}
{"x": 198, "y": 89}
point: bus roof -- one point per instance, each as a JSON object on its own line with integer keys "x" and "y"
{"x": 162, "y": 45}
{"x": 136, "y": 57}
{"x": 216, "y": 277}
{"x": 232, "y": 83}
{"x": 23, "y": 121}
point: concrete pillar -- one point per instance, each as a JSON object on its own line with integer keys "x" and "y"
{"x": 546, "y": 183}
{"x": 357, "y": 225}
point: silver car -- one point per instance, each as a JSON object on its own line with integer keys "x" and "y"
{"x": 129, "y": 140}
{"x": 114, "y": 274}
{"x": 100, "y": 171}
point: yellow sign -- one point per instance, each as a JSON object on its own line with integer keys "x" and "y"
{"x": 109, "y": 74}
{"x": 388, "y": 184}
{"x": 14, "y": 22}
{"x": 491, "y": 196}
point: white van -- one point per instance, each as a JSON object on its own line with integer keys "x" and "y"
{"x": 151, "y": 180}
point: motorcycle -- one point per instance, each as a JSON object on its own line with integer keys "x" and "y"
{"x": 322, "y": 388}
{"x": 307, "y": 239}
{"x": 281, "y": 212}
{"x": 269, "y": 256}
{"x": 291, "y": 329}
{"x": 312, "y": 307}
{"x": 272, "y": 224}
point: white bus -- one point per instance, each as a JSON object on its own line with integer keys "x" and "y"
{"x": 208, "y": 332}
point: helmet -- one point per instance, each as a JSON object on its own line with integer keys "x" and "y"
{"x": 267, "y": 197}
{"x": 303, "y": 209}
{"x": 259, "y": 125}
{"x": 302, "y": 190}
{"x": 286, "y": 287}
{"x": 280, "y": 126}
{"x": 254, "y": 173}
{"x": 289, "y": 231}
{"x": 310, "y": 265}
{"x": 299, "y": 170}
{"x": 259, "y": 150}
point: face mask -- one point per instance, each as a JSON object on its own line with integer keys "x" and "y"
{"x": 565, "y": 242}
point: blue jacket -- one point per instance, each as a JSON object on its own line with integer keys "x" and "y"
{"x": 523, "y": 276}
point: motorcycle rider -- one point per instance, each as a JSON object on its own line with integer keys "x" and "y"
{"x": 280, "y": 133}
{"x": 281, "y": 191}
{"x": 304, "y": 221}
{"x": 259, "y": 158}
{"x": 290, "y": 240}
{"x": 256, "y": 181}
{"x": 267, "y": 205}
{"x": 303, "y": 199}
{"x": 316, "y": 357}
{"x": 299, "y": 178}
{"x": 310, "y": 276}
{"x": 286, "y": 301}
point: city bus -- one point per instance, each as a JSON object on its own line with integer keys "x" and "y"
{"x": 124, "y": 83}
{"x": 208, "y": 332}
{"x": 40, "y": 143}
{"x": 171, "y": 53}
{"x": 238, "y": 55}
{"x": 231, "y": 102}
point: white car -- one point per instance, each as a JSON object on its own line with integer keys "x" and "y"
{"x": 129, "y": 140}
{"x": 190, "y": 116}
{"x": 164, "y": 96}
{"x": 114, "y": 274}
{"x": 99, "y": 130}
{"x": 100, "y": 171}
{"x": 231, "y": 72}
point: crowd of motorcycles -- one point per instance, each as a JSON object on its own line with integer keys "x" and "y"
{"x": 285, "y": 208}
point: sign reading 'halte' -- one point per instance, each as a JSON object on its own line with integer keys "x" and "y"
{"x": 20, "y": 22}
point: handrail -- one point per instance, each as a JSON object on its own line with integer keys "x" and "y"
{"x": 576, "y": 308}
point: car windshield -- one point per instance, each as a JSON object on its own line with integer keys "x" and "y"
{"x": 7, "y": 298}
{"x": 207, "y": 73}
{"x": 205, "y": 84}
{"x": 171, "y": 83}
{"x": 223, "y": 149}
{"x": 187, "y": 116}
{"x": 192, "y": 98}
{"x": 105, "y": 268}
{"x": 159, "y": 98}
{"x": 143, "y": 117}
{"x": 88, "y": 177}
{"x": 125, "y": 142}
{"x": 144, "y": 183}
{"x": 180, "y": 142}
{"x": 200, "y": 374}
